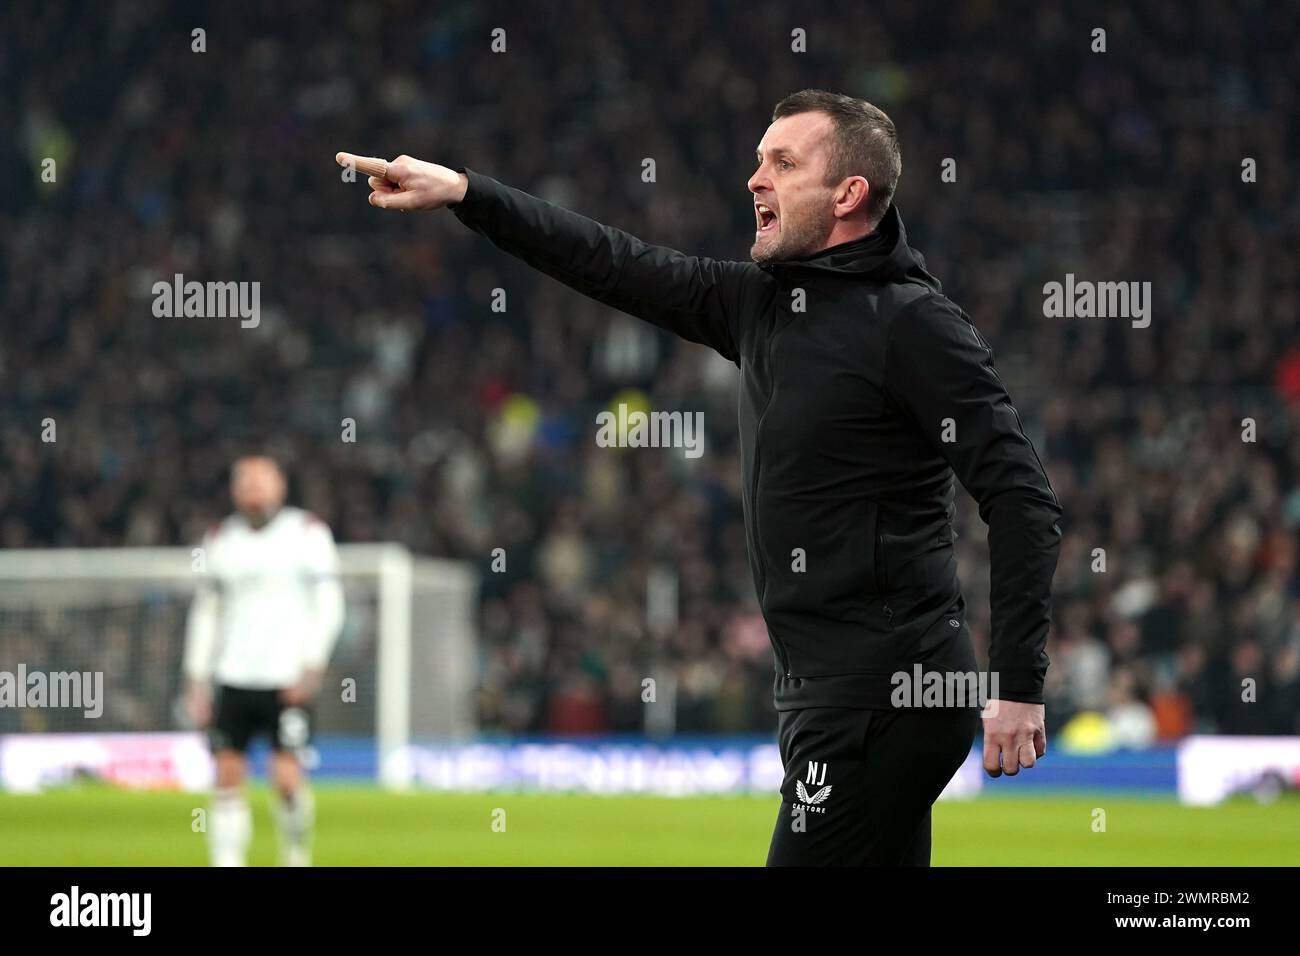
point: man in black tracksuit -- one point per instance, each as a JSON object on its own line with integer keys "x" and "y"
{"x": 863, "y": 390}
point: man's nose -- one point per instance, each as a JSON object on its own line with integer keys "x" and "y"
{"x": 758, "y": 182}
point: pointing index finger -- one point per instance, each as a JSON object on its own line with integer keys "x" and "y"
{"x": 367, "y": 165}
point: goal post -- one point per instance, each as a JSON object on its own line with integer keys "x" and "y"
{"x": 404, "y": 668}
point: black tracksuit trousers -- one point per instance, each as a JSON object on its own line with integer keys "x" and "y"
{"x": 859, "y": 784}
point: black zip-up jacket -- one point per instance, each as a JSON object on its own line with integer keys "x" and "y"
{"x": 862, "y": 390}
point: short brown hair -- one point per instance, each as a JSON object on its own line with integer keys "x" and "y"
{"x": 865, "y": 143}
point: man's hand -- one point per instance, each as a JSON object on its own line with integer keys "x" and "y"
{"x": 302, "y": 692}
{"x": 407, "y": 183}
{"x": 198, "y": 703}
{"x": 1017, "y": 733}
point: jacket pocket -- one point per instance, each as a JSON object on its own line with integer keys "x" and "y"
{"x": 879, "y": 560}
{"x": 875, "y": 575}
{"x": 880, "y": 574}
{"x": 823, "y": 561}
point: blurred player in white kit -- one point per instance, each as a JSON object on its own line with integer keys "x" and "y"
{"x": 263, "y": 624}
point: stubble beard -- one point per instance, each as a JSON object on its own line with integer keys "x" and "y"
{"x": 794, "y": 239}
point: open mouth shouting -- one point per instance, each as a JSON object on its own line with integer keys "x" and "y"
{"x": 766, "y": 218}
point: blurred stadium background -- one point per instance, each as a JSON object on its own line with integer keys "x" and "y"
{"x": 474, "y": 428}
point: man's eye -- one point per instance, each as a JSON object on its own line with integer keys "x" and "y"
{"x": 786, "y": 164}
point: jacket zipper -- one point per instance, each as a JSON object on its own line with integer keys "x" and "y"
{"x": 782, "y": 655}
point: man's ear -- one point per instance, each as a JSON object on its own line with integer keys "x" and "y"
{"x": 851, "y": 196}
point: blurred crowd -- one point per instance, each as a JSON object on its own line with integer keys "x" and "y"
{"x": 1175, "y": 449}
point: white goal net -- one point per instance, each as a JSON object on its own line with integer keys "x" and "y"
{"x": 404, "y": 667}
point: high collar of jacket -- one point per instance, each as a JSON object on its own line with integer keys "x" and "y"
{"x": 883, "y": 256}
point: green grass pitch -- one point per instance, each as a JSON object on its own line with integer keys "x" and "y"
{"x": 94, "y": 826}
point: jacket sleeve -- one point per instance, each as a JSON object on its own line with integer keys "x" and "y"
{"x": 695, "y": 298}
{"x": 939, "y": 367}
